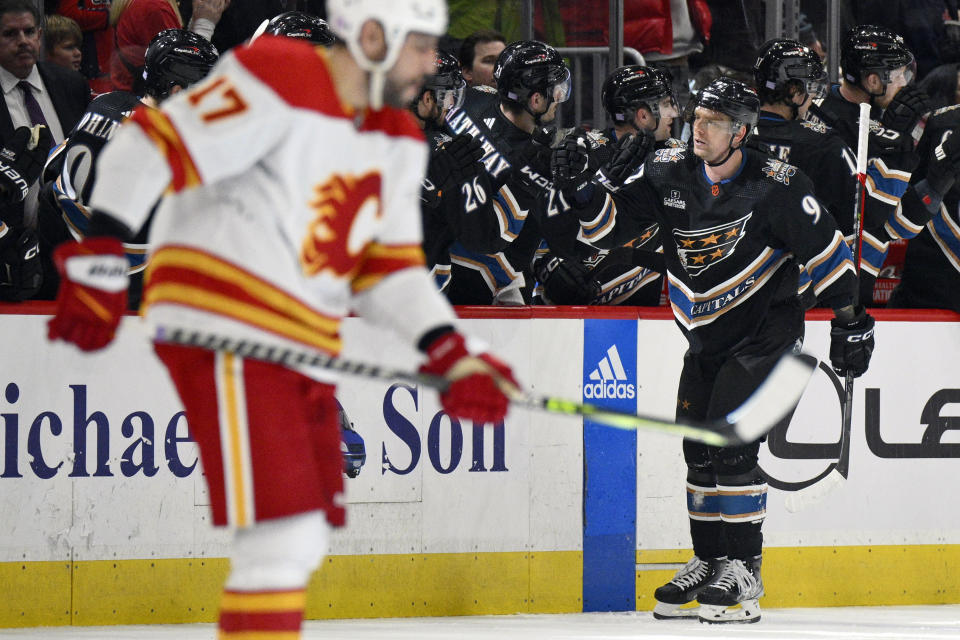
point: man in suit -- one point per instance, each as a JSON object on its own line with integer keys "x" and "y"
{"x": 34, "y": 92}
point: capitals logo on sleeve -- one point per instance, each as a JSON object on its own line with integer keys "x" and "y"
{"x": 702, "y": 248}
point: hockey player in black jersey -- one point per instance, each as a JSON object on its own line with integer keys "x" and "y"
{"x": 456, "y": 196}
{"x": 735, "y": 224}
{"x": 638, "y": 100}
{"x": 930, "y": 219}
{"x": 510, "y": 123}
{"x": 789, "y": 76}
{"x": 175, "y": 59}
{"x": 877, "y": 69}
{"x": 21, "y": 163}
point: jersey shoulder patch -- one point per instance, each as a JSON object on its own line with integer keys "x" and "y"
{"x": 817, "y": 127}
{"x": 778, "y": 170}
{"x": 484, "y": 88}
{"x": 672, "y": 154}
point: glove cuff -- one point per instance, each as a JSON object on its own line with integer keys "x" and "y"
{"x": 859, "y": 316}
{"x": 445, "y": 351}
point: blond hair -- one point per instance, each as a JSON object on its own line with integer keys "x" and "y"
{"x": 58, "y": 29}
{"x": 117, "y": 7}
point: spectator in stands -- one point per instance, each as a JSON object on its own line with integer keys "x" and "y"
{"x": 62, "y": 39}
{"x": 138, "y": 21}
{"x": 478, "y": 54}
{"x": 667, "y": 33}
{"x": 96, "y": 45}
{"x": 35, "y": 93}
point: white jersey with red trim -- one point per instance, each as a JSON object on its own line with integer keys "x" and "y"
{"x": 284, "y": 209}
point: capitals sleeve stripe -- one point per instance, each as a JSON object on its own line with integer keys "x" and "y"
{"x": 509, "y": 214}
{"x": 946, "y": 234}
{"x": 901, "y": 227}
{"x": 600, "y": 225}
{"x": 188, "y": 277}
{"x": 885, "y": 184}
{"x": 382, "y": 260}
{"x": 873, "y": 254}
{"x": 829, "y": 265}
{"x": 164, "y": 135}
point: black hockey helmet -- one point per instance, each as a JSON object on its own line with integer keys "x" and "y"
{"x": 527, "y": 67}
{"x": 300, "y": 25}
{"x": 176, "y": 57}
{"x": 731, "y": 97}
{"x": 784, "y": 63}
{"x": 447, "y": 82}
{"x": 628, "y": 88}
{"x": 870, "y": 49}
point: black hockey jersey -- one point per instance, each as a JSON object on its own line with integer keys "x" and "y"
{"x": 931, "y": 269}
{"x": 527, "y": 207}
{"x": 622, "y": 280}
{"x": 820, "y": 153}
{"x": 731, "y": 248}
{"x": 70, "y": 171}
{"x": 890, "y": 162}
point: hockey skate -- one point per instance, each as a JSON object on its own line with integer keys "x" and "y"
{"x": 739, "y": 583}
{"x": 685, "y": 587}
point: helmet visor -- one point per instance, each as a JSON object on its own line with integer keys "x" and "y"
{"x": 902, "y": 76}
{"x": 449, "y": 98}
{"x": 709, "y": 120}
{"x": 667, "y": 106}
{"x": 816, "y": 88}
{"x": 562, "y": 89}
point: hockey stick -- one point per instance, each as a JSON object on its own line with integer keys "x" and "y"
{"x": 777, "y": 396}
{"x": 836, "y": 474}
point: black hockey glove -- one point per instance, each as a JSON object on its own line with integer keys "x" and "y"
{"x": 573, "y": 167}
{"x": 627, "y": 158}
{"x": 455, "y": 162}
{"x": 565, "y": 281}
{"x": 943, "y": 167}
{"x": 851, "y": 344}
{"x": 21, "y": 162}
{"x": 905, "y": 110}
{"x": 20, "y": 270}
{"x": 531, "y": 161}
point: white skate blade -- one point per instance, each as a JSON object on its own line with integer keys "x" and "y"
{"x": 666, "y": 611}
{"x": 746, "y": 612}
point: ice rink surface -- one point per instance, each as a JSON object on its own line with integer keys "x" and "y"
{"x": 867, "y": 623}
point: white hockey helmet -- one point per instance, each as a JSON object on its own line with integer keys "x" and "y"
{"x": 398, "y": 18}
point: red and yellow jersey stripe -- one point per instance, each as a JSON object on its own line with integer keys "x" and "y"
{"x": 192, "y": 278}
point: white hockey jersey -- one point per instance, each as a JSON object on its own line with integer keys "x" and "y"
{"x": 284, "y": 209}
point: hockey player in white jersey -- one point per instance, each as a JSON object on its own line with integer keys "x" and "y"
{"x": 263, "y": 239}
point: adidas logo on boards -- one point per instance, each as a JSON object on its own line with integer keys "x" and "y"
{"x": 608, "y": 380}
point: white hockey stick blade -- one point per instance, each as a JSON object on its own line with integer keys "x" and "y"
{"x": 774, "y": 399}
{"x": 800, "y": 500}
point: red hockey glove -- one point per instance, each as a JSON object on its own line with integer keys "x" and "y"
{"x": 480, "y": 385}
{"x": 93, "y": 292}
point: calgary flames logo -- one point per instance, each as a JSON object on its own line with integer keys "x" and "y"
{"x": 347, "y": 209}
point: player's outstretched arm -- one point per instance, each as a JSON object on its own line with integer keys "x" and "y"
{"x": 408, "y": 302}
